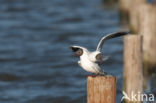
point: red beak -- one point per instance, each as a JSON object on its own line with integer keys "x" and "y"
{"x": 75, "y": 55}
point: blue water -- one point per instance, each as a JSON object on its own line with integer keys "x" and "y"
{"x": 36, "y": 64}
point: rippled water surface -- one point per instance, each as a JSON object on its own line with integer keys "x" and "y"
{"x": 36, "y": 65}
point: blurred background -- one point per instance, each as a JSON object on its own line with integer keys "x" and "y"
{"x": 36, "y": 64}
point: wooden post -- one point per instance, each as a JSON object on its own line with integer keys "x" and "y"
{"x": 124, "y": 5}
{"x": 133, "y": 67}
{"x": 147, "y": 28}
{"x": 133, "y": 13}
{"x": 124, "y": 11}
{"x": 128, "y": 10}
{"x": 101, "y": 89}
{"x": 134, "y": 19}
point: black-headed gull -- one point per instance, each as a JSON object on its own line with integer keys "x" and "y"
{"x": 89, "y": 61}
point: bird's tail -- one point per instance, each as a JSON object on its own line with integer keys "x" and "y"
{"x": 105, "y": 58}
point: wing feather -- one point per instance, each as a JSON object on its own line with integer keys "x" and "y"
{"x": 109, "y": 36}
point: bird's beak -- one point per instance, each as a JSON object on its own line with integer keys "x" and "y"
{"x": 75, "y": 54}
{"x": 74, "y": 49}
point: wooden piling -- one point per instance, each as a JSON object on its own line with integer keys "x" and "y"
{"x": 134, "y": 20}
{"x": 124, "y": 5}
{"x": 133, "y": 14}
{"x": 101, "y": 89}
{"x": 128, "y": 11}
{"x": 124, "y": 11}
{"x": 133, "y": 72}
{"x": 147, "y": 28}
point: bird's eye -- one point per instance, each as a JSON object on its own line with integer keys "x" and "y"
{"x": 80, "y": 52}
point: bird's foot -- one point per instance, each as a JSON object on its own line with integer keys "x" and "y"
{"x": 93, "y": 75}
{"x": 102, "y": 74}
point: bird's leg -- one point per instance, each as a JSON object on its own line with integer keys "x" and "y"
{"x": 93, "y": 75}
{"x": 102, "y": 73}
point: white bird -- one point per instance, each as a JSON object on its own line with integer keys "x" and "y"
{"x": 89, "y": 61}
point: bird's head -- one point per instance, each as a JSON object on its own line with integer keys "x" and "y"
{"x": 78, "y": 50}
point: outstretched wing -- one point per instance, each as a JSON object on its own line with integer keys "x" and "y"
{"x": 109, "y": 36}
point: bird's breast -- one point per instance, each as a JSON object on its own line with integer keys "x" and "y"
{"x": 88, "y": 65}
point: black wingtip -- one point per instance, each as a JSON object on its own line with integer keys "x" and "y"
{"x": 122, "y": 33}
{"x": 128, "y": 32}
{"x": 125, "y": 32}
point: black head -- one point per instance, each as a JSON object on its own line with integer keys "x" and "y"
{"x": 78, "y": 51}
{"x": 74, "y": 49}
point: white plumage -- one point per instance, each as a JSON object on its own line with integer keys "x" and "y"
{"x": 89, "y": 61}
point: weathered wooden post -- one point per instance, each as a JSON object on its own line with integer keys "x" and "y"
{"x": 124, "y": 5}
{"x": 101, "y": 89}
{"x": 133, "y": 14}
{"x": 133, "y": 66}
{"x": 134, "y": 19}
{"x": 124, "y": 10}
{"x": 128, "y": 11}
{"x": 147, "y": 28}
